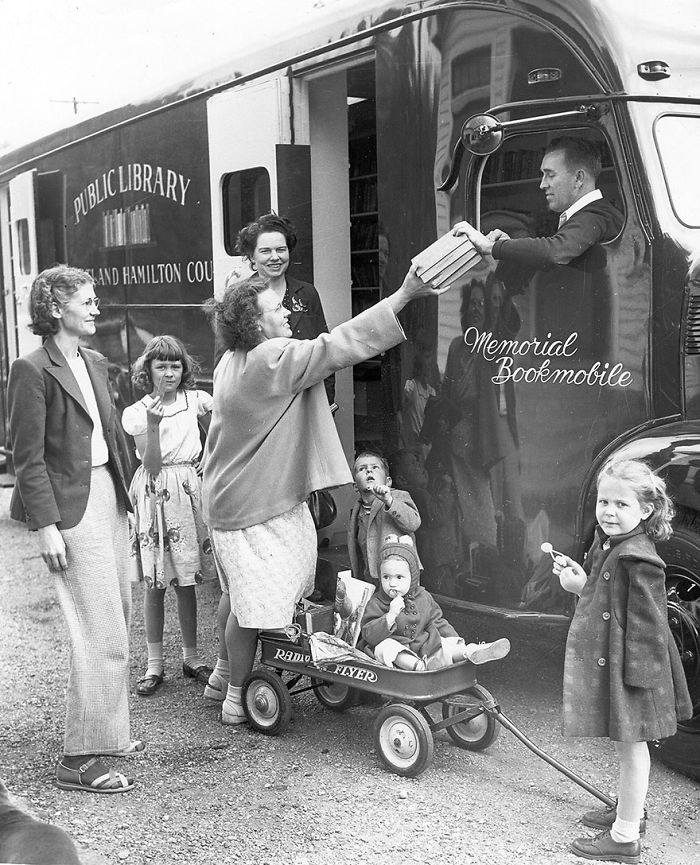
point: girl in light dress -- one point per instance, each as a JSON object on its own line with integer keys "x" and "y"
{"x": 170, "y": 543}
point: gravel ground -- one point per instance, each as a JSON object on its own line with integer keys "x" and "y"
{"x": 316, "y": 794}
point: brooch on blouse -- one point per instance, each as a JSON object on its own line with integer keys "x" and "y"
{"x": 299, "y": 305}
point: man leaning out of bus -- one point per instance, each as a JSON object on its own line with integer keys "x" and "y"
{"x": 570, "y": 169}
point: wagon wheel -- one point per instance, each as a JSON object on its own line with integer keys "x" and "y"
{"x": 267, "y": 702}
{"x": 477, "y": 733}
{"x": 403, "y": 740}
{"x": 333, "y": 695}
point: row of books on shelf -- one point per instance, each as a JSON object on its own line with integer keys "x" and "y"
{"x": 363, "y": 196}
{"x": 364, "y": 234}
{"x": 509, "y": 165}
{"x": 363, "y": 162}
{"x": 364, "y": 274}
{"x": 362, "y": 300}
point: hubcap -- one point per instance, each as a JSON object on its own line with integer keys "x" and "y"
{"x": 402, "y": 738}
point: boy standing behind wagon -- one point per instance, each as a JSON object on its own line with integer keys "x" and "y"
{"x": 380, "y": 511}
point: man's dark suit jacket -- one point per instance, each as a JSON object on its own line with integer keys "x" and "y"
{"x": 598, "y": 222}
{"x": 51, "y": 432}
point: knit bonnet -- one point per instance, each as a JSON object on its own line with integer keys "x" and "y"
{"x": 402, "y": 548}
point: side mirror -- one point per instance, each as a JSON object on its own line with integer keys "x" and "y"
{"x": 482, "y": 135}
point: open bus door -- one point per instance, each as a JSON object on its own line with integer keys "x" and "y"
{"x": 24, "y": 257}
{"x": 255, "y": 168}
{"x": 264, "y": 171}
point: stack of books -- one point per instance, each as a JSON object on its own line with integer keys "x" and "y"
{"x": 446, "y": 260}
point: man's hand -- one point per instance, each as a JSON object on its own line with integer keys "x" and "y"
{"x": 483, "y": 243}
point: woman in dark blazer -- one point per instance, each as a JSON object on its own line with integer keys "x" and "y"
{"x": 268, "y": 243}
{"x": 72, "y": 493}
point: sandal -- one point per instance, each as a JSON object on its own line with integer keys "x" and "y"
{"x": 105, "y": 781}
{"x": 200, "y": 673}
{"x": 149, "y": 685}
{"x": 216, "y": 688}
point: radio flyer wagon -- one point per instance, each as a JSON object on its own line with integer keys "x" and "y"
{"x": 404, "y": 727}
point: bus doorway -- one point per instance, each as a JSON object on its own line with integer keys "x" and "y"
{"x": 337, "y": 112}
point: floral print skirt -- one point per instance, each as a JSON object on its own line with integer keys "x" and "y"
{"x": 169, "y": 542}
{"x": 267, "y": 568}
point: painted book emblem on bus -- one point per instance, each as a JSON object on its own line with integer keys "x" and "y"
{"x": 132, "y": 177}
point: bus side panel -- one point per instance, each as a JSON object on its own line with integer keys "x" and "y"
{"x": 495, "y": 448}
{"x": 137, "y": 217}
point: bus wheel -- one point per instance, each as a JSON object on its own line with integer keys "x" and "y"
{"x": 682, "y": 556}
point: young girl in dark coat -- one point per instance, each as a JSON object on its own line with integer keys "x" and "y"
{"x": 622, "y": 674}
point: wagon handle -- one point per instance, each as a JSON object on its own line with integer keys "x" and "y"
{"x": 495, "y": 712}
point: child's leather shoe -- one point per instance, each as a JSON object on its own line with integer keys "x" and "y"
{"x": 603, "y": 818}
{"x": 480, "y": 653}
{"x": 604, "y": 849}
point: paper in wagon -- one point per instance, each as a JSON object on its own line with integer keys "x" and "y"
{"x": 350, "y": 602}
{"x": 329, "y": 649}
{"x": 446, "y": 260}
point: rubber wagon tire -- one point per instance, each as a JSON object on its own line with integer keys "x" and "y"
{"x": 333, "y": 695}
{"x": 682, "y": 556}
{"x": 478, "y": 733}
{"x": 267, "y": 703}
{"x": 403, "y": 739}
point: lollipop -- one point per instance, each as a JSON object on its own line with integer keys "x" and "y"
{"x": 547, "y": 548}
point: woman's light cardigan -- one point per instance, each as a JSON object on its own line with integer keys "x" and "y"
{"x": 272, "y": 439}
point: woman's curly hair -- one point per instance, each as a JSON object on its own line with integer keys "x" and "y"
{"x": 236, "y": 317}
{"x": 164, "y": 347}
{"x": 248, "y": 236}
{"x": 649, "y": 489}
{"x": 51, "y": 288}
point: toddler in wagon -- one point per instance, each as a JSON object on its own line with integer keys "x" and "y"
{"x": 404, "y": 625}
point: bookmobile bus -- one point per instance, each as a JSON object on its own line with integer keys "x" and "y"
{"x": 375, "y": 133}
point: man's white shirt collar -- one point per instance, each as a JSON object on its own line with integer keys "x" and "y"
{"x": 582, "y": 202}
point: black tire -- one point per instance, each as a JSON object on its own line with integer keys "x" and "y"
{"x": 267, "y": 703}
{"x": 403, "y": 739}
{"x": 333, "y": 695}
{"x": 478, "y": 733}
{"x": 682, "y": 556}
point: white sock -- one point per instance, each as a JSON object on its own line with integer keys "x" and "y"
{"x": 155, "y": 659}
{"x": 221, "y": 671}
{"x": 191, "y": 656}
{"x": 233, "y": 704}
{"x": 232, "y": 711}
{"x": 234, "y": 694}
{"x": 624, "y": 831}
